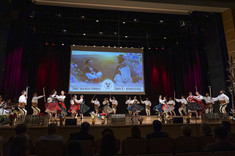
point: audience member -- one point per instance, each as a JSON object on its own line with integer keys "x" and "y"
{"x": 205, "y": 129}
{"x": 221, "y": 142}
{"x": 108, "y": 144}
{"x": 21, "y": 129}
{"x": 227, "y": 125}
{"x": 83, "y": 134}
{"x": 186, "y": 130}
{"x": 157, "y": 126}
{"x": 74, "y": 149}
{"x": 135, "y": 132}
{"x": 52, "y": 130}
{"x": 106, "y": 130}
{"x": 19, "y": 145}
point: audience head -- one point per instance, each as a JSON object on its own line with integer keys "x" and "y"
{"x": 157, "y": 125}
{"x": 108, "y": 144}
{"x": 135, "y": 132}
{"x": 220, "y": 133}
{"x": 106, "y": 130}
{"x": 19, "y": 146}
{"x": 186, "y": 130}
{"x": 205, "y": 129}
{"x": 227, "y": 125}
{"x": 52, "y": 128}
{"x": 85, "y": 126}
{"x": 21, "y": 129}
{"x": 74, "y": 149}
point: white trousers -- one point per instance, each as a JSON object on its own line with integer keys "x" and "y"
{"x": 181, "y": 110}
{"x": 23, "y": 111}
{"x": 114, "y": 111}
{"x": 147, "y": 111}
{"x": 36, "y": 110}
{"x": 222, "y": 108}
{"x": 209, "y": 110}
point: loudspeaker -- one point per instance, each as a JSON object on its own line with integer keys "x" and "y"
{"x": 178, "y": 120}
{"x": 70, "y": 121}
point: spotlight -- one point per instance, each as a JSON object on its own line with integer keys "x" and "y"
{"x": 124, "y": 22}
{"x": 58, "y": 15}
{"x": 115, "y": 33}
{"x": 177, "y": 43}
{"x": 142, "y": 48}
{"x": 64, "y": 30}
{"x": 101, "y": 33}
{"x": 97, "y": 21}
{"x": 149, "y": 48}
{"x": 73, "y": 45}
{"x": 156, "y": 48}
{"x": 165, "y": 38}
{"x": 82, "y": 17}
{"x": 161, "y": 21}
{"x": 62, "y": 44}
{"x": 84, "y": 34}
{"x": 126, "y": 36}
{"x": 94, "y": 46}
{"x": 135, "y": 20}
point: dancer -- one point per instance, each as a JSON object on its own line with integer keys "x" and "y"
{"x": 35, "y": 108}
{"x": 182, "y": 108}
{"x": 161, "y": 107}
{"x": 22, "y": 103}
{"x": 200, "y": 101}
{"x": 147, "y": 104}
{"x": 61, "y": 99}
{"x": 96, "y": 105}
{"x": 223, "y": 100}
{"x": 209, "y": 103}
{"x": 52, "y": 104}
{"x": 194, "y": 104}
{"x": 83, "y": 107}
{"x": 135, "y": 108}
{"x": 75, "y": 107}
{"x": 106, "y": 109}
{"x": 128, "y": 102}
{"x": 114, "y": 104}
{"x": 171, "y": 105}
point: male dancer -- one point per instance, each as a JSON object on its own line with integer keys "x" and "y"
{"x": 35, "y": 108}
{"x": 114, "y": 104}
{"x": 209, "y": 103}
{"x": 129, "y": 103}
{"x": 223, "y": 100}
{"x": 147, "y": 106}
{"x": 22, "y": 103}
{"x": 96, "y": 105}
{"x": 182, "y": 108}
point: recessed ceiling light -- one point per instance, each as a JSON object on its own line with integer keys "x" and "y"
{"x": 97, "y": 21}
{"x": 124, "y": 22}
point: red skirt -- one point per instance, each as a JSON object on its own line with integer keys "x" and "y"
{"x": 74, "y": 108}
{"x": 52, "y": 107}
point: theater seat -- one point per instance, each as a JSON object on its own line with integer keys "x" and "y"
{"x": 186, "y": 144}
{"x": 97, "y": 145}
{"x": 162, "y": 154}
{"x": 50, "y": 148}
{"x": 134, "y": 146}
{"x": 87, "y": 146}
{"x": 204, "y": 140}
{"x": 194, "y": 154}
{"x": 224, "y": 153}
{"x": 161, "y": 145}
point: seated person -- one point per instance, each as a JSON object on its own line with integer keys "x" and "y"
{"x": 19, "y": 145}
{"x": 74, "y": 149}
{"x": 83, "y": 134}
{"x": 157, "y": 126}
{"x": 135, "y": 132}
{"x": 205, "y": 130}
{"x": 51, "y": 130}
{"x": 108, "y": 144}
{"x": 227, "y": 125}
{"x": 221, "y": 142}
{"x": 186, "y": 130}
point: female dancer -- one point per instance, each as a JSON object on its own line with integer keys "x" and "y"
{"x": 52, "y": 104}
{"x": 61, "y": 103}
{"x": 135, "y": 108}
{"x": 171, "y": 105}
{"x": 107, "y": 109}
{"x": 128, "y": 102}
{"x": 75, "y": 107}
{"x": 83, "y": 107}
{"x": 96, "y": 105}
{"x": 161, "y": 107}
{"x": 195, "y": 104}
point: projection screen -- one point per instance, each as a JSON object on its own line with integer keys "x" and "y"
{"x": 104, "y": 70}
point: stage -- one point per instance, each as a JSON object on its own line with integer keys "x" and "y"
{"x": 121, "y": 130}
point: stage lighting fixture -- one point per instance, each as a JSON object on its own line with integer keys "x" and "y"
{"x": 165, "y": 38}
{"x": 84, "y": 34}
{"x": 124, "y": 22}
{"x": 97, "y": 21}
{"x": 161, "y": 21}
{"x": 156, "y": 48}
{"x": 142, "y": 48}
{"x": 82, "y": 17}
{"x": 101, "y": 33}
{"x": 74, "y": 45}
{"x": 64, "y": 30}
{"x": 115, "y": 33}
{"x": 126, "y": 36}
{"x": 135, "y": 20}
{"x": 62, "y": 44}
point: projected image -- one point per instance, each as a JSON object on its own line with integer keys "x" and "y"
{"x": 95, "y": 71}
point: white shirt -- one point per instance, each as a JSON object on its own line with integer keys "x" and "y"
{"x": 61, "y": 98}
{"x": 208, "y": 99}
{"x": 162, "y": 101}
{"x": 22, "y": 99}
{"x": 146, "y": 102}
{"x": 199, "y": 97}
{"x": 135, "y": 101}
{"x": 222, "y": 97}
{"x": 171, "y": 102}
{"x": 105, "y": 102}
{"x": 128, "y": 102}
{"x": 95, "y": 102}
{"x": 114, "y": 102}
{"x": 183, "y": 101}
{"x": 79, "y": 101}
{"x": 35, "y": 99}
